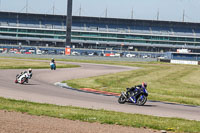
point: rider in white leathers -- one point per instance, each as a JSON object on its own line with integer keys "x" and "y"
{"x": 24, "y": 76}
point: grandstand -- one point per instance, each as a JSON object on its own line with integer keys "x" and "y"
{"x": 98, "y": 33}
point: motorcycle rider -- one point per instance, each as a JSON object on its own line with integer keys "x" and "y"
{"x": 135, "y": 90}
{"x": 53, "y": 63}
{"x": 30, "y": 73}
{"x": 52, "y": 60}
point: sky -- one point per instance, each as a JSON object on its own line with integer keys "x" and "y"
{"x": 169, "y": 10}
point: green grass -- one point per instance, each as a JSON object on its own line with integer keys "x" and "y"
{"x": 101, "y": 116}
{"x": 166, "y": 82}
{"x": 21, "y": 64}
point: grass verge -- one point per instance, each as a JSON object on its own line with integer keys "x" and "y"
{"x": 166, "y": 82}
{"x": 101, "y": 116}
{"x": 21, "y": 64}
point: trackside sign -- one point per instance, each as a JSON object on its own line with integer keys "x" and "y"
{"x": 184, "y": 62}
{"x": 67, "y": 51}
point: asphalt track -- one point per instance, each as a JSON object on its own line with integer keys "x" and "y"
{"x": 41, "y": 89}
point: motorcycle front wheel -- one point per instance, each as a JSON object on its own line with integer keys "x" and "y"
{"x": 142, "y": 99}
{"x": 122, "y": 99}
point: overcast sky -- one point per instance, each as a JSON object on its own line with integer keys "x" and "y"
{"x": 170, "y": 10}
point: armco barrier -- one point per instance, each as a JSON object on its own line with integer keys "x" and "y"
{"x": 184, "y": 62}
{"x": 80, "y": 57}
{"x": 180, "y": 61}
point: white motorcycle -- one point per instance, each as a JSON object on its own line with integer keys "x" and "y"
{"x": 23, "y": 77}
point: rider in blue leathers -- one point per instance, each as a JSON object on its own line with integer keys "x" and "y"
{"x": 135, "y": 90}
{"x": 53, "y": 64}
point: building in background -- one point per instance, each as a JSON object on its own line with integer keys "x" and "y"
{"x": 98, "y": 33}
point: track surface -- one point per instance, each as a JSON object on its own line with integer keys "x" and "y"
{"x": 41, "y": 89}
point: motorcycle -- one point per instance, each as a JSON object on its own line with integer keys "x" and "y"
{"x": 138, "y": 98}
{"x": 22, "y": 78}
{"x": 53, "y": 66}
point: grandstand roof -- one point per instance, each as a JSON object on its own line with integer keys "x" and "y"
{"x": 99, "y": 20}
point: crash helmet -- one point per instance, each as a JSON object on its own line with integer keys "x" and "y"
{"x": 25, "y": 71}
{"x": 30, "y": 70}
{"x": 144, "y": 84}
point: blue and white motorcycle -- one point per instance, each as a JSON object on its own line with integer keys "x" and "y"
{"x": 138, "y": 98}
{"x": 53, "y": 66}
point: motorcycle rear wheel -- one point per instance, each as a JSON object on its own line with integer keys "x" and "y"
{"x": 142, "y": 99}
{"x": 122, "y": 99}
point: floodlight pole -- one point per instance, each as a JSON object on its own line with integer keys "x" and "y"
{"x": 26, "y": 6}
{"x": 0, "y": 5}
{"x": 183, "y": 15}
{"x": 68, "y": 23}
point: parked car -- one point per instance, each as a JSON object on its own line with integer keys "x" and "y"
{"x": 130, "y": 55}
{"x": 91, "y": 54}
{"x": 75, "y": 53}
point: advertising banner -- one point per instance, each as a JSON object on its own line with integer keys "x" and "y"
{"x": 184, "y": 62}
{"x": 67, "y": 51}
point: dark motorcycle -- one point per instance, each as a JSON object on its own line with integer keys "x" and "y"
{"x": 138, "y": 98}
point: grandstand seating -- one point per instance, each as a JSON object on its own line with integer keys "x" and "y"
{"x": 102, "y": 30}
{"x": 49, "y": 24}
{"x": 140, "y": 29}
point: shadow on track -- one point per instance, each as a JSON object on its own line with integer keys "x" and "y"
{"x": 175, "y": 104}
{"x": 29, "y": 84}
{"x": 146, "y": 105}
